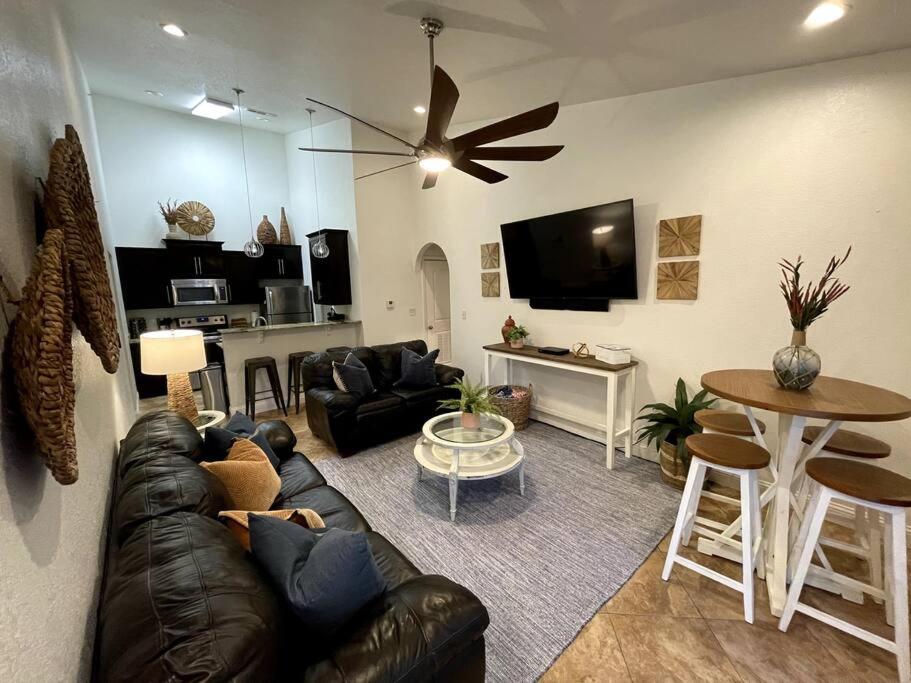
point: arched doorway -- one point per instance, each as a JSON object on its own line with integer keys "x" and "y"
{"x": 434, "y": 269}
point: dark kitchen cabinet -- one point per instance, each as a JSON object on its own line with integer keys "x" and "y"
{"x": 242, "y": 274}
{"x": 144, "y": 277}
{"x": 281, "y": 262}
{"x": 331, "y": 275}
{"x": 194, "y": 259}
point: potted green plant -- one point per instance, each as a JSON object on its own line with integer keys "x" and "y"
{"x": 667, "y": 427}
{"x": 517, "y": 336}
{"x": 473, "y": 400}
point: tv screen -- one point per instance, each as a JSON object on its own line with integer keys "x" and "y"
{"x": 583, "y": 254}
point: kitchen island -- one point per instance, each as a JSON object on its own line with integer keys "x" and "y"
{"x": 241, "y": 343}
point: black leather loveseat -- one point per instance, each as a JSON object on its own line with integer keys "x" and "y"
{"x": 348, "y": 423}
{"x": 182, "y": 601}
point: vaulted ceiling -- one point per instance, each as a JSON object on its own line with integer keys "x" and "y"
{"x": 370, "y": 57}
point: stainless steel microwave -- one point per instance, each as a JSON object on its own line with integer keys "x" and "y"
{"x": 199, "y": 292}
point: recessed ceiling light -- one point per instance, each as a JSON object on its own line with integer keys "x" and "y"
{"x": 174, "y": 30}
{"x": 212, "y": 109}
{"x": 602, "y": 229}
{"x": 825, "y": 13}
{"x": 154, "y": 93}
{"x": 420, "y": 110}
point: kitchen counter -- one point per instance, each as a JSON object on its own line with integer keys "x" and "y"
{"x": 286, "y": 326}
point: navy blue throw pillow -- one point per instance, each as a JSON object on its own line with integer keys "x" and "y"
{"x": 417, "y": 371}
{"x": 241, "y": 424}
{"x": 324, "y": 578}
{"x": 259, "y": 438}
{"x": 218, "y": 443}
{"x": 352, "y": 376}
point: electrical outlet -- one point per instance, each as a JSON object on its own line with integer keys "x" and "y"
{"x": 464, "y": 315}
{"x": 390, "y": 305}
{"x": 412, "y": 312}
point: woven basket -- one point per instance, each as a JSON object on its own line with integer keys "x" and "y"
{"x": 513, "y": 409}
{"x": 42, "y": 358}
{"x": 71, "y": 208}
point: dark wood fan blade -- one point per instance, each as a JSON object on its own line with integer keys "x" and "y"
{"x": 488, "y": 175}
{"x": 430, "y": 180}
{"x": 533, "y": 153}
{"x": 369, "y": 125}
{"x": 355, "y": 151}
{"x": 443, "y": 97}
{"x": 536, "y": 119}
{"x": 391, "y": 168}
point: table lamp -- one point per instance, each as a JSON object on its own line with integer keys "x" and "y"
{"x": 174, "y": 353}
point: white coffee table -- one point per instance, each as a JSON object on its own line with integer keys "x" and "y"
{"x": 447, "y": 449}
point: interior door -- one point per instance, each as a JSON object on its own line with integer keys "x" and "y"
{"x": 436, "y": 308}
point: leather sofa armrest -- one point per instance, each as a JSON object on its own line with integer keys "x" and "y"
{"x": 409, "y": 634}
{"x": 280, "y": 436}
{"x": 334, "y": 401}
{"x": 446, "y": 374}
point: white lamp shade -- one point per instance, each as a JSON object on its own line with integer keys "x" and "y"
{"x": 168, "y": 352}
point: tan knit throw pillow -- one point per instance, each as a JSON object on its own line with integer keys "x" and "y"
{"x": 239, "y": 523}
{"x": 251, "y": 481}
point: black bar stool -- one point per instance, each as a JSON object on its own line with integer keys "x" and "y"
{"x": 294, "y": 377}
{"x": 267, "y": 363}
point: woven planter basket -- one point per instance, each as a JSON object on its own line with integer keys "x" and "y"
{"x": 513, "y": 409}
{"x": 42, "y": 358}
{"x": 71, "y": 208}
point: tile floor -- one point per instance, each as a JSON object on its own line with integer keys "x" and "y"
{"x": 692, "y": 629}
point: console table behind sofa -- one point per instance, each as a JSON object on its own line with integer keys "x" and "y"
{"x": 589, "y": 366}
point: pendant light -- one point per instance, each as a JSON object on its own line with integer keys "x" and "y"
{"x": 319, "y": 249}
{"x": 253, "y": 248}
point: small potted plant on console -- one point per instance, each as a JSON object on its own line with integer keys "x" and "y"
{"x": 517, "y": 336}
{"x": 474, "y": 400}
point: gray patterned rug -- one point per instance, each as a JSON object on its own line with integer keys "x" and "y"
{"x": 542, "y": 564}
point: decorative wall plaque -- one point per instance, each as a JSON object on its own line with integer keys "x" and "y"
{"x": 678, "y": 280}
{"x": 679, "y": 236}
{"x": 490, "y": 284}
{"x": 490, "y": 255}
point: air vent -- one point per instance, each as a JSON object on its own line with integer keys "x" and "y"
{"x": 260, "y": 112}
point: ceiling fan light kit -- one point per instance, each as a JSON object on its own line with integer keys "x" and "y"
{"x": 435, "y": 152}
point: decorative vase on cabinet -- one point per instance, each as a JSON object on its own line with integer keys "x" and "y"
{"x": 796, "y": 366}
{"x": 265, "y": 232}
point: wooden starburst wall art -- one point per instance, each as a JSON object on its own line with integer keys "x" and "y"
{"x": 490, "y": 284}
{"x": 679, "y": 236}
{"x": 490, "y": 255}
{"x": 678, "y": 280}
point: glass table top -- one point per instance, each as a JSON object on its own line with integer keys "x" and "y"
{"x": 450, "y": 429}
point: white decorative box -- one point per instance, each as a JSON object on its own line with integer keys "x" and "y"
{"x": 614, "y": 354}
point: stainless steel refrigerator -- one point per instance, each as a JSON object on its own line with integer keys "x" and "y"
{"x": 285, "y": 305}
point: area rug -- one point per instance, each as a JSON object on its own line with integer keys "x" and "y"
{"x": 543, "y": 564}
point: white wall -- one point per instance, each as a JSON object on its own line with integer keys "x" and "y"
{"x": 150, "y": 155}
{"x": 50, "y": 535}
{"x": 803, "y": 161}
{"x": 334, "y": 174}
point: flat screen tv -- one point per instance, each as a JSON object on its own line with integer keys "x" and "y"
{"x": 576, "y": 259}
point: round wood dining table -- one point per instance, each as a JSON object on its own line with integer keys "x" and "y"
{"x": 830, "y": 398}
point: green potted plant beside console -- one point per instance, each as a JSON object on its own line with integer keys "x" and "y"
{"x": 474, "y": 400}
{"x": 667, "y": 427}
{"x": 517, "y": 336}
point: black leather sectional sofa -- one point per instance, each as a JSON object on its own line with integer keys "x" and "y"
{"x": 348, "y": 423}
{"x": 182, "y": 601}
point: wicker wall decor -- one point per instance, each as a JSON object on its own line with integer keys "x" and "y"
{"x": 678, "y": 280}
{"x": 195, "y": 218}
{"x": 70, "y": 207}
{"x": 679, "y": 236}
{"x": 490, "y": 284}
{"x": 490, "y": 255}
{"x": 42, "y": 357}
{"x": 265, "y": 231}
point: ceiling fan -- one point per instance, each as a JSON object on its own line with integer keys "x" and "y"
{"x": 435, "y": 152}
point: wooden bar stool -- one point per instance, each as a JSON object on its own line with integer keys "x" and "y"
{"x": 742, "y": 459}
{"x": 295, "y": 360}
{"x": 867, "y": 545}
{"x": 267, "y": 363}
{"x": 884, "y": 492}
{"x": 718, "y": 538}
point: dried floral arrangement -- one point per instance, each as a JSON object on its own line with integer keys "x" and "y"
{"x": 806, "y": 303}
{"x": 168, "y": 212}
